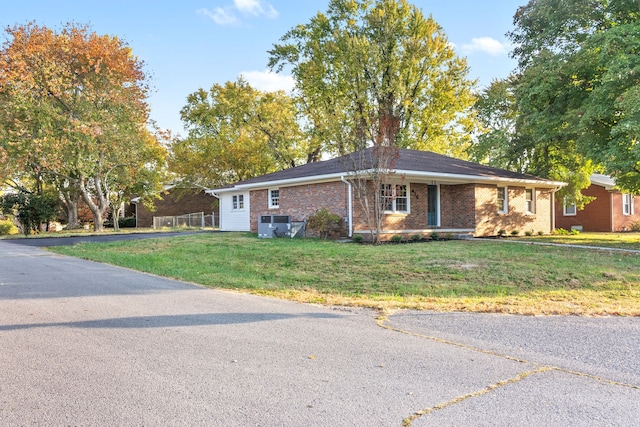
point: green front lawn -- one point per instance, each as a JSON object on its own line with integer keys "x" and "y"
{"x": 478, "y": 275}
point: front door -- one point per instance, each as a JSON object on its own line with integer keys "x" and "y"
{"x": 432, "y": 205}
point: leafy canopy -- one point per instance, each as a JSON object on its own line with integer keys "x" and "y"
{"x": 236, "y": 132}
{"x": 378, "y": 73}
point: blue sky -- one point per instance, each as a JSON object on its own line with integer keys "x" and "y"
{"x": 192, "y": 44}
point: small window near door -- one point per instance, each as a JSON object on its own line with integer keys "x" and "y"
{"x": 238, "y": 202}
{"x": 503, "y": 202}
{"x": 530, "y": 196}
{"x": 274, "y": 198}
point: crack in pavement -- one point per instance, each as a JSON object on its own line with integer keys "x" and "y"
{"x": 409, "y": 420}
{"x": 383, "y": 318}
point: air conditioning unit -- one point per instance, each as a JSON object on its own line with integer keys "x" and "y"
{"x": 274, "y": 226}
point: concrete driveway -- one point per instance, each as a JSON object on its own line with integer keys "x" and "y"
{"x": 83, "y": 343}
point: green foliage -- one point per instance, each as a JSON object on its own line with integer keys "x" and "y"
{"x": 435, "y": 236}
{"x": 378, "y": 72}
{"x": 528, "y": 233}
{"x": 73, "y": 113}
{"x": 515, "y": 232}
{"x": 357, "y": 238}
{"x": 31, "y": 210}
{"x": 563, "y": 232}
{"x": 502, "y": 233}
{"x": 577, "y": 94}
{"x": 324, "y": 222}
{"x": 236, "y": 132}
{"x": 416, "y": 237}
{"x": 396, "y": 238}
{"x": 7, "y": 227}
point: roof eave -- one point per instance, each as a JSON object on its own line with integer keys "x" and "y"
{"x": 424, "y": 175}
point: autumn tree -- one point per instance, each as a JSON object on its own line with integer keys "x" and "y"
{"x": 75, "y": 111}
{"x": 378, "y": 73}
{"x": 578, "y": 89}
{"x": 236, "y": 132}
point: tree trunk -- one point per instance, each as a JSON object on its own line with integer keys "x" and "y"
{"x": 97, "y": 209}
{"x": 71, "y": 205}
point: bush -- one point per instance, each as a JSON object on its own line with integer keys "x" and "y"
{"x": 515, "y": 232}
{"x": 561, "y": 232}
{"x": 357, "y": 238}
{"x": 7, "y": 227}
{"x": 502, "y": 233}
{"x": 416, "y": 237}
{"x": 540, "y": 233}
{"x": 396, "y": 238}
{"x": 448, "y": 236}
{"x": 435, "y": 236}
{"x": 635, "y": 226}
{"x": 324, "y": 222}
{"x": 528, "y": 233}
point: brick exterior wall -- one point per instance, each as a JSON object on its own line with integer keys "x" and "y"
{"x": 177, "y": 203}
{"x": 462, "y": 207}
{"x": 457, "y": 206}
{"x": 597, "y": 215}
{"x": 302, "y": 201}
{"x": 489, "y": 221}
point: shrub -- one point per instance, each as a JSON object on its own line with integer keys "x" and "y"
{"x": 357, "y": 238}
{"x": 561, "y": 232}
{"x": 540, "y": 233}
{"x": 502, "y": 233}
{"x": 416, "y": 237}
{"x": 7, "y": 227}
{"x": 528, "y": 233}
{"x": 575, "y": 232}
{"x": 448, "y": 236}
{"x": 635, "y": 226}
{"x": 515, "y": 232}
{"x": 324, "y": 222}
{"x": 435, "y": 236}
{"x": 396, "y": 238}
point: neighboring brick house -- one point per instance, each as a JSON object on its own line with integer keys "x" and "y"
{"x": 611, "y": 211}
{"x": 432, "y": 193}
{"x": 175, "y": 202}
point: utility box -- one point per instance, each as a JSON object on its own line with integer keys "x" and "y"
{"x": 274, "y": 226}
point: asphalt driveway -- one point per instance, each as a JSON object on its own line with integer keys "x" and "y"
{"x": 82, "y": 343}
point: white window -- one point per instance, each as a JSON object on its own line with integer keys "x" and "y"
{"x": 627, "y": 204}
{"x": 274, "y": 198}
{"x": 238, "y": 202}
{"x": 569, "y": 209}
{"x": 503, "y": 200}
{"x": 530, "y": 196}
{"x": 395, "y": 198}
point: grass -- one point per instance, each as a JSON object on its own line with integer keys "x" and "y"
{"x": 485, "y": 276}
{"x": 609, "y": 240}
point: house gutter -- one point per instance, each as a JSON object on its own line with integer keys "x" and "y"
{"x": 350, "y": 205}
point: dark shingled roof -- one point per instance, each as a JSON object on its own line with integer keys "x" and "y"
{"x": 407, "y": 160}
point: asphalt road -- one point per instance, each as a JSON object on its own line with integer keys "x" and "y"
{"x": 43, "y": 242}
{"x": 83, "y": 343}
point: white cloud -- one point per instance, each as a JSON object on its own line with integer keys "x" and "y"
{"x": 486, "y": 44}
{"x": 220, "y": 16}
{"x": 268, "y": 81}
{"x": 256, "y": 8}
{"x": 227, "y": 15}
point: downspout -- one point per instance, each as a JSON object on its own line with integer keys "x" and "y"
{"x": 350, "y": 206}
{"x": 213, "y": 219}
{"x": 553, "y": 208}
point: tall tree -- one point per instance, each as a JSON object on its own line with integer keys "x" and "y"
{"x": 75, "y": 109}
{"x": 378, "y": 73}
{"x": 579, "y": 85}
{"x": 236, "y": 132}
